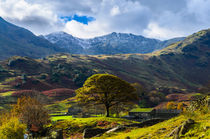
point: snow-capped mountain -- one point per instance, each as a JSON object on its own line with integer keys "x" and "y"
{"x": 114, "y": 43}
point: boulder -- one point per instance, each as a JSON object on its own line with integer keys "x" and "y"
{"x": 182, "y": 129}
{"x": 118, "y": 128}
{"x": 186, "y": 126}
{"x": 91, "y": 132}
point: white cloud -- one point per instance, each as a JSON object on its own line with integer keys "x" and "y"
{"x": 112, "y": 16}
{"x": 155, "y": 31}
{"x": 161, "y": 19}
{"x": 115, "y": 11}
{"x": 85, "y": 31}
{"x": 200, "y": 9}
{"x": 35, "y": 17}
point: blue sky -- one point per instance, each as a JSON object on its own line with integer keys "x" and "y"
{"x": 161, "y": 19}
{"x": 82, "y": 19}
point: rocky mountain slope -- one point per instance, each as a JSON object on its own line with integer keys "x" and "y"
{"x": 15, "y": 40}
{"x": 18, "y": 41}
{"x": 183, "y": 65}
{"x": 114, "y": 43}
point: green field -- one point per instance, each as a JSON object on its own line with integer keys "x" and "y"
{"x": 142, "y": 110}
{"x": 56, "y": 118}
{"x": 199, "y": 130}
{"x": 5, "y": 94}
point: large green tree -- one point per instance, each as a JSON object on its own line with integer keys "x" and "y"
{"x": 106, "y": 89}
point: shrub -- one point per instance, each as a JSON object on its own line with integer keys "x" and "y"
{"x": 43, "y": 76}
{"x": 21, "y": 93}
{"x": 199, "y": 103}
{"x": 180, "y": 106}
{"x": 33, "y": 94}
{"x": 60, "y": 93}
{"x": 11, "y": 128}
{"x": 32, "y": 113}
{"x": 178, "y": 97}
{"x": 171, "y": 105}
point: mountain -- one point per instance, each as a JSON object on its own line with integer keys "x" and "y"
{"x": 15, "y": 40}
{"x": 182, "y": 65}
{"x": 18, "y": 41}
{"x": 114, "y": 43}
{"x": 121, "y": 43}
{"x": 195, "y": 43}
{"x": 189, "y": 59}
{"x": 64, "y": 40}
{"x": 169, "y": 42}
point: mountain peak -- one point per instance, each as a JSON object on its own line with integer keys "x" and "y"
{"x": 112, "y": 43}
{"x": 59, "y": 33}
{"x": 114, "y": 33}
{"x": 16, "y": 40}
{"x": 2, "y": 20}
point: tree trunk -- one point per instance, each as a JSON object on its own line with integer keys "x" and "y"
{"x": 107, "y": 111}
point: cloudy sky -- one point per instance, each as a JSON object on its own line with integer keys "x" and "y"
{"x": 161, "y": 19}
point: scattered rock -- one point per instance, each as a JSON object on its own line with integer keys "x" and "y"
{"x": 202, "y": 136}
{"x": 60, "y": 134}
{"x": 56, "y": 134}
{"x": 182, "y": 129}
{"x": 162, "y": 129}
{"x": 146, "y": 123}
{"x": 186, "y": 126}
{"x": 206, "y": 127}
{"x": 91, "y": 132}
{"x": 118, "y": 128}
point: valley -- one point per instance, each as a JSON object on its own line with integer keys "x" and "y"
{"x": 44, "y": 74}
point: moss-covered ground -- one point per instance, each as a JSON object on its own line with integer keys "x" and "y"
{"x": 201, "y": 129}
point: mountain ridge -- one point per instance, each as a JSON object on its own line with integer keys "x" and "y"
{"x": 19, "y": 41}
{"x": 186, "y": 66}
{"x": 113, "y": 43}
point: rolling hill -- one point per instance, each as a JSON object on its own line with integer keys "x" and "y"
{"x": 183, "y": 65}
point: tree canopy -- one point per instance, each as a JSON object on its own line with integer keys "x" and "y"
{"x": 31, "y": 112}
{"x": 106, "y": 89}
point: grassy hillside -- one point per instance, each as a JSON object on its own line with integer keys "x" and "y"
{"x": 181, "y": 65}
{"x": 199, "y": 130}
{"x": 73, "y": 127}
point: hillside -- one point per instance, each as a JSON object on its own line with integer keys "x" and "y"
{"x": 183, "y": 65}
{"x": 114, "y": 43}
{"x": 172, "y": 74}
{"x": 15, "y": 40}
{"x": 196, "y": 42}
{"x": 162, "y": 130}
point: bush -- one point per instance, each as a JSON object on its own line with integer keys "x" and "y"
{"x": 43, "y": 76}
{"x": 171, "y": 105}
{"x": 60, "y": 93}
{"x": 32, "y": 113}
{"x": 11, "y": 128}
{"x": 198, "y": 107}
{"x": 22, "y": 93}
{"x": 200, "y": 103}
{"x": 180, "y": 106}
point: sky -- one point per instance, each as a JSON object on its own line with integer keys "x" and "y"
{"x": 160, "y": 19}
